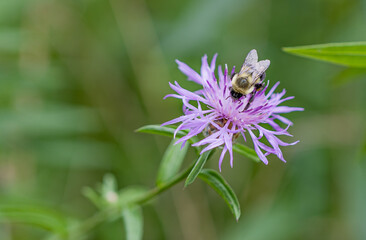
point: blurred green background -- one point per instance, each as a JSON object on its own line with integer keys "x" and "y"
{"x": 79, "y": 76}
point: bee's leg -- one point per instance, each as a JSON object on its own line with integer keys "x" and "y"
{"x": 249, "y": 101}
{"x": 230, "y": 88}
{"x": 258, "y": 86}
{"x": 262, "y": 77}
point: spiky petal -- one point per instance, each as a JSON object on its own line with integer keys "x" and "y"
{"x": 223, "y": 118}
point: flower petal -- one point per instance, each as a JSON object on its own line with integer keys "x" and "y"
{"x": 284, "y": 109}
{"x": 189, "y": 72}
{"x": 222, "y": 157}
{"x": 213, "y": 106}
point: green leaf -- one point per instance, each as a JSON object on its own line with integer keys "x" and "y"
{"x": 352, "y": 54}
{"x": 109, "y": 189}
{"x": 246, "y": 151}
{"x": 43, "y": 217}
{"x": 168, "y": 132}
{"x": 131, "y": 194}
{"x": 165, "y": 131}
{"x": 160, "y": 130}
{"x": 171, "y": 162}
{"x": 197, "y": 168}
{"x": 133, "y": 220}
{"x": 218, "y": 183}
{"x": 109, "y": 183}
{"x": 93, "y": 196}
{"x": 107, "y": 193}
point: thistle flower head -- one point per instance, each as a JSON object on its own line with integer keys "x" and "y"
{"x": 221, "y": 118}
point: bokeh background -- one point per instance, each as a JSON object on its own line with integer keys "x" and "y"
{"x": 77, "y": 77}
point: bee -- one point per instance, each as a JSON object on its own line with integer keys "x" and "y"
{"x": 250, "y": 78}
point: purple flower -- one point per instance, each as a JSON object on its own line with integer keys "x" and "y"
{"x": 221, "y": 118}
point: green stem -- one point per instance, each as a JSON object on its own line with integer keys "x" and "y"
{"x": 157, "y": 190}
{"x": 103, "y": 215}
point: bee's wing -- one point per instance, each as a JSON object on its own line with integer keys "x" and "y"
{"x": 250, "y": 62}
{"x": 260, "y": 68}
{"x": 252, "y": 58}
{"x": 263, "y": 65}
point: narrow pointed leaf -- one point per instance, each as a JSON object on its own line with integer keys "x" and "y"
{"x": 160, "y": 130}
{"x": 165, "y": 131}
{"x": 109, "y": 187}
{"x": 171, "y": 162}
{"x": 133, "y": 221}
{"x": 246, "y": 151}
{"x": 93, "y": 196}
{"x": 197, "y": 168}
{"x": 218, "y": 183}
{"x": 168, "y": 132}
{"x": 352, "y": 54}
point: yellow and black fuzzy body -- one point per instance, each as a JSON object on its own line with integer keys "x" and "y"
{"x": 250, "y": 77}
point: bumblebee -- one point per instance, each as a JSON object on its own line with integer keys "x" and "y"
{"x": 250, "y": 78}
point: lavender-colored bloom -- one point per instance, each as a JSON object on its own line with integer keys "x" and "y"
{"x": 213, "y": 112}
